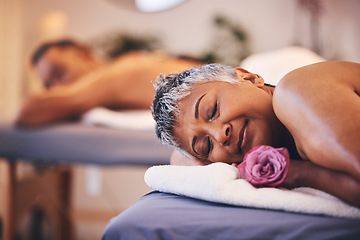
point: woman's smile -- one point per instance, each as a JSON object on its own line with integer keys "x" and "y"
{"x": 242, "y": 138}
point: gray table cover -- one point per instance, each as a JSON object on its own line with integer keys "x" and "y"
{"x": 79, "y": 143}
{"x": 163, "y": 216}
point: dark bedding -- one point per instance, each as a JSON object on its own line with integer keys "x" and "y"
{"x": 165, "y": 216}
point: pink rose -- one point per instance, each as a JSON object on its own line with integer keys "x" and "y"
{"x": 265, "y": 166}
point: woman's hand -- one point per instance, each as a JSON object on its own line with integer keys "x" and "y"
{"x": 178, "y": 159}
{"x": 307, "y": 174}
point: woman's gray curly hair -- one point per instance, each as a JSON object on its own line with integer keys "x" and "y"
{"x": 172, "y": 88}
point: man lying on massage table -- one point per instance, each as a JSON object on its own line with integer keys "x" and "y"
{"x": 76, "y": 81}
{"x": 215, "y": 113}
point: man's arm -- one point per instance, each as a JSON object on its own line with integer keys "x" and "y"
{"x": 67, "y": 102}
{"x": 44, "y": 108}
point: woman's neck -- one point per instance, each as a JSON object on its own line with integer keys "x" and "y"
{"x": 286, "y": 139}
{"x": 269, "y": 88}
{"x": 289, "y": 142}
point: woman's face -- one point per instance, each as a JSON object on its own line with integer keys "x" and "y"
{"x": 220, "y": 121}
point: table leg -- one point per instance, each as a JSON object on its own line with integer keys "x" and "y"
{"x": 9, "y": 201}
{"x": 66, "y": 220}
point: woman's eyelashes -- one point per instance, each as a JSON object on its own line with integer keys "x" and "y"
{"x": 213, "y": 113}
{"x": 205, "y": 144}
{"x": 206, "y": 147}
{"x": 202, "y": 147}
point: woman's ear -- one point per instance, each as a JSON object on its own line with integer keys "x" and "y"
{"x": 244, "y": 75}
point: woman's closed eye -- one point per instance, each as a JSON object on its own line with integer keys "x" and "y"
{"x": 205, "y": 146}
{"x": 202, "y": 147}
{"x": 214, "y": 111}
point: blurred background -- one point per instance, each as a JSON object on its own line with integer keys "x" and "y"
{"x": 225, "y": 31}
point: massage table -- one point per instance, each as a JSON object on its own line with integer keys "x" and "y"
{"x": 76, "y": 143}
{"x": 162, "y": 216}
{"x": 214, "y": 202}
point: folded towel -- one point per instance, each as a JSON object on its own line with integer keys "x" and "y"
{"x": 220, "y": 182}
{"x": 131, "y": 119}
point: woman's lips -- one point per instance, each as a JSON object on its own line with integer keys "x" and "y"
{"x": 242, "y": 137}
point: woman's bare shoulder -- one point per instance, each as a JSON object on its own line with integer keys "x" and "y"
{"x": 321, "y": 74}
{"x": 316, "y": 89}
{"x": 310, "y": 85}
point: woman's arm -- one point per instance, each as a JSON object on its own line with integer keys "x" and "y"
{"x": 307, "y": 174}
{"x": 320, "y": 106}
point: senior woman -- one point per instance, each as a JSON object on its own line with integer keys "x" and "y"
{"x": 216, "y": 113}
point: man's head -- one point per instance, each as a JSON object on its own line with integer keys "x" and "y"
{"x": 62, "y": 62}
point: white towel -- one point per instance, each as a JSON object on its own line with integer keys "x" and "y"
{"x": 219, "y": 182}
{"x": 131, "y": 119}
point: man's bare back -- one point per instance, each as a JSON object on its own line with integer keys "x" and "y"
{"x": 76, "y": 82}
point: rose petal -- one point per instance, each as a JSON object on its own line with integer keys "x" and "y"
{"x": 265, "y": 165}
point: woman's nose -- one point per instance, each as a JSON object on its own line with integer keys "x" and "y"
{"x": 221, "y": 132}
